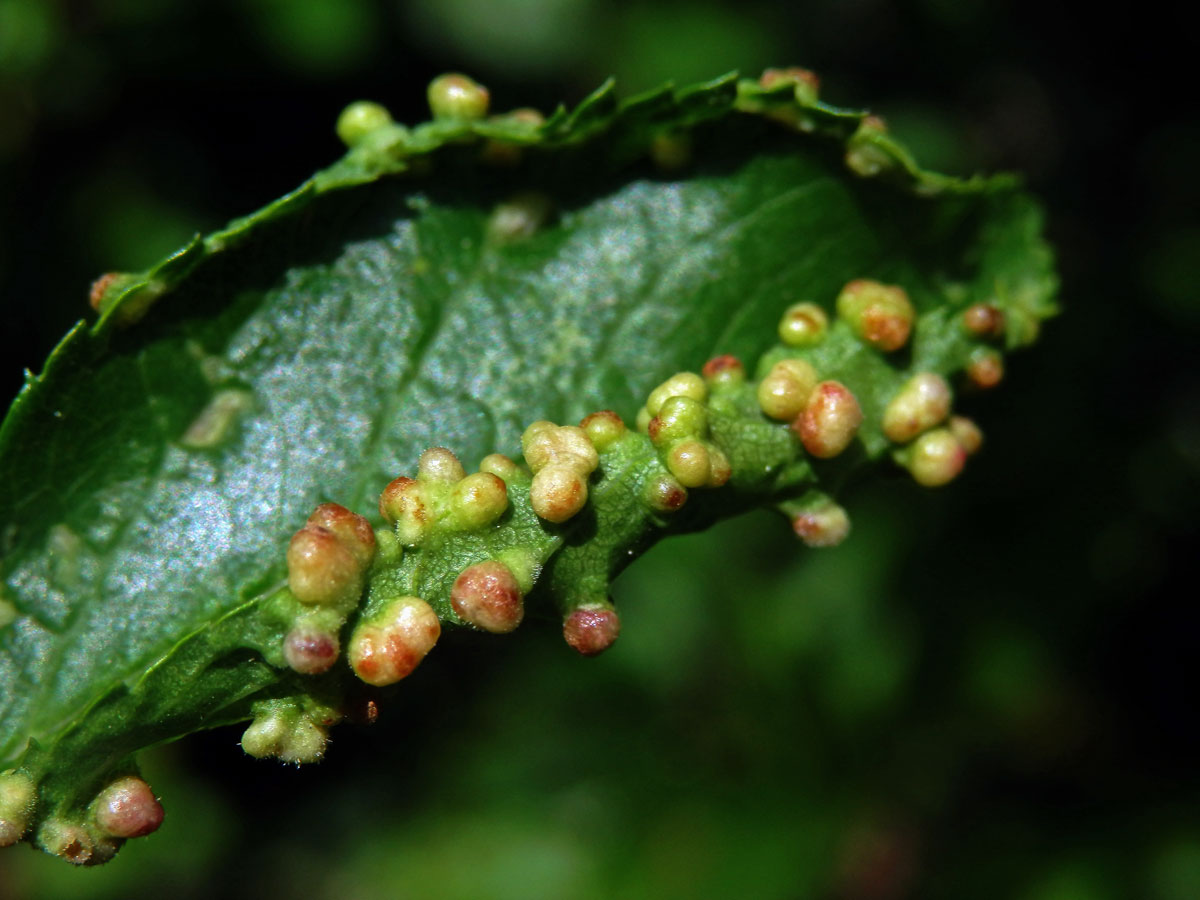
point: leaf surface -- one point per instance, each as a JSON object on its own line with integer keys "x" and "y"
{"x": 411, "y": 296}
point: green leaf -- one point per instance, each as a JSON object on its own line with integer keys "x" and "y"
{"x": 428, "y": 289}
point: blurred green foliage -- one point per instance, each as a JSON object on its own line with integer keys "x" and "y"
{"x": 989, "y": 691}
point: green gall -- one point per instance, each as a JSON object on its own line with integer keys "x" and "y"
{"x": 679, "y": 418}
{"x": 18, "y": 796}
{"x": 724, "y": 371}
{"x": 403, "y": 504}
{"x": 281, "y": 730}
{"x": 519, "y": 217}
{"x": 558, "y": 492}
{"x": 935, "y": 458}
{"x": 127, "y": 808}
{"x": 681, "y": 384}
{"x": 439, "y": 464}
{"x": 690, "y": 462}
{"x": 983, "y": 320}
{"x": 591, "y": 630}
{"x": 309, "y": 648}
{"x": 78, "y": 843}
{"x": 265, "y": 735}
{"x": 304, "y": 743}
{"x": 322, "y": 569}
{"x": 603, "y": 429}
{"x": 488, "y": 596}
{"x": 923, "y": 401}
{"x": 784, "y": 391}
{"x": 455, "y": 96}
{"x": 525, "y": 565}
{"x": 864, "y": 155}
{"x": 391, "y": 644}
{"x": 8, "y": 612}
{"x": 670, "y": 152}
{"x": 664, "y": 494}
{"x": 967, "y": 433}
{"x": 830, "y": 420}
{"x": 985, "y": 369}
{"x": 215, "y": 423}
{"x": 498, "y": 152}
{"x": 821, "y": 524}
{"x": 501, "y": 466}
{"x": 477, "y": 501}
{"x": 880, "y": 314}
{"x": 359, "y": 119}
{"x": 803, "y": 325}
{"x": 388, "y": 549}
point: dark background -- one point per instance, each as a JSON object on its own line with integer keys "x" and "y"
{"x": 989, "y": 691}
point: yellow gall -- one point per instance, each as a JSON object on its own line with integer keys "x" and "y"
{"x": 880, "y": 314}
{"x": 455, "y": 96}
{"x": 389, "y": 645}
{"x": 922, "y": 402}
{"x": 18, "y": 796}
{"x": 360, "y": 119}
{"x": 823, "y": 525}
{"x": 100, "y": 288}
{"x": 488, "y": 596}
{"x": 322, "y": 569}
{"x": 805, "y": 82}
{"x": 725, "y": 370}
{"x": 969, "y": 437}
{"x": 681, "y": 384}
{"x": 935, "y": 458}
{"x": 402, "y": 503}
{"x": 603, "y": 429}
{"x": 545, "y": 444}
{"x": 591, "y": 630}
{"x": 830, "y": 420}
{"x": 864, "y": 155}
{"x": 478, "y": 500}
{"x": 662, "y": 493}
{"x": 266, "y": 734}
{"x": 351, "y": 529}
{"x": 689, "y": 461}
{"x": 643, "y": 420}
{"x": 679, "y": 418}
{"x": 983, "y": 320}
{"x": 301, "y": 741}
{"x": 439, "y": 464}
{"x": 558, "y": 492}
{"x": 719, "y": 467}
{"x": 127, "y": 808}
{"x": 803, "y": 325}
{"x": 785, "y": 390}
{"x": 985, "y": 369}
{"x": 499, "y": 465}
